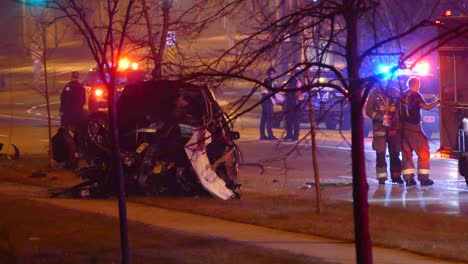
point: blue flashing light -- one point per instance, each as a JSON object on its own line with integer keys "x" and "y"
{"x": 384, "y": 71}
{"x": 36, "y": 2}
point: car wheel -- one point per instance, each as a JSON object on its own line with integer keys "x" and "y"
{"x": 463, "y": 166}
{"x": 98, "y": 129}
{"x": 97, "y": 140}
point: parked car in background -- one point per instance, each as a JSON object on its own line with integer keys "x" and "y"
{"x": 331, "y": 107}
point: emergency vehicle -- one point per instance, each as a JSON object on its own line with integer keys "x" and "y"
{"x": 453, "y": 90}
{"x": 127, "y": 73}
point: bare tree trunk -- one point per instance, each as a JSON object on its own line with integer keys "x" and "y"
{"x": 318, "y": 191}
{"x": 166, "y": 7}
{"x": 149, "y": 27}
{"x": 49, "y": 120}
{"x": 46, "y": 94}
{"x": 282, "y": 59}
{"x": 296, "y": 42}
{"x": 360, "y": 186}
{"x": 117, "y": 170}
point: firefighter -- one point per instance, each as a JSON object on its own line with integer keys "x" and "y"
{"x": 382, "y": 107}
{"x": 413, "y": 137}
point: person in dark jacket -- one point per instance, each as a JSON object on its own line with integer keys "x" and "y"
{"x": 72, "y": 101}
{"x": 266, "y": 118}
{"x": 292, "y": 110}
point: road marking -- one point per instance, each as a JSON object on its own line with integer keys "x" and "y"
{"x": 28, "y": 118}
{"x": 273, "y": 168}
{"x": 3, "y": 103}
{"x": 1, "y": 135}
{"x": 411, "y": 199}
{"x": 45, "y": 140}
{"x": 41, "y": 105}
{"x": 457, "y": 189}
{"x": 30, "y": 110}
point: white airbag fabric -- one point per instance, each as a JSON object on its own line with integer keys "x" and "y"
{"x": 196, "y": 152}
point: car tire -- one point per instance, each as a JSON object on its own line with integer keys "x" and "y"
{"x": 97, "y": 138}
{"x": 463, "y": 166}
{"x": 98, "y": 128}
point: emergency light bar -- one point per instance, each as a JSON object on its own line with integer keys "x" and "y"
{"x": 125, "y": 64}
{"x": 420, "y": 69}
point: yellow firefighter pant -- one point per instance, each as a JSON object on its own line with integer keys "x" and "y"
{"x": 415, "y": 140}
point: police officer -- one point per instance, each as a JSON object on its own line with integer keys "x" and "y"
{"x": 414, "y": 138}
{"x": 72, "y": 100}
{"x": 382, "y": 107}
{"x": 266, "y": 118}
{"x": 291, "y": 110}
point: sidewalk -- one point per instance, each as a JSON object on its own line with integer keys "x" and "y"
{"x": 325, "y": 249}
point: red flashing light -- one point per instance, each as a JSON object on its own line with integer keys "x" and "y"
{"x": 98, "y": 92}
{"x": 422, "y": 68}
{"x": 124, "y": 64}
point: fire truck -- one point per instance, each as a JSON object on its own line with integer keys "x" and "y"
{"x": 453, "y": 90}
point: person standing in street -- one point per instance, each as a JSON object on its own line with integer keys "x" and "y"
{"x": 382, "y": 108}
{"x": 414, "y": 138}
{"x": 291, "y": 110}
{"x": 266, "y": 118}
{"x": 72, "y": 101}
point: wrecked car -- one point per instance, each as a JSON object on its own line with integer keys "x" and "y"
{"x": 175, "y": 140}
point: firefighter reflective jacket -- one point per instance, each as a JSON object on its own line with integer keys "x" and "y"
{"x": 384, "y": 104}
